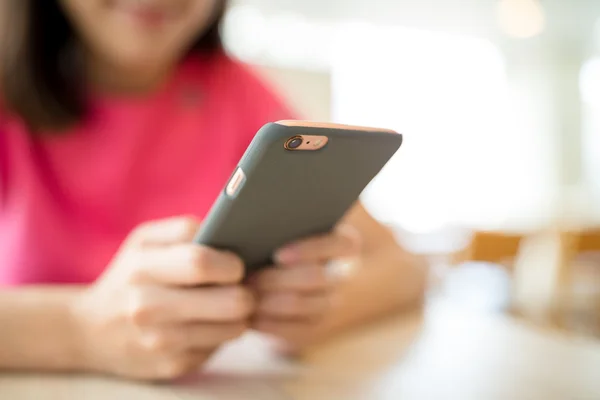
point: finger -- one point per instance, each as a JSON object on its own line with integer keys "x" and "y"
{"x": 302, "y": 278}
{"x": 155, "y": 306}
{"x": 183, "y": 337}
{"x": 342, "y": 243}
{"x": 180, "y": 365}
{"x": 164, "y": 232}
{"x": 296, "y": 332}
{"x": 187, "y": 265}
{"x": 293, "y": 305}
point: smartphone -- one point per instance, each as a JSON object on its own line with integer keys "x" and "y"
{"x": 296, "y": 179}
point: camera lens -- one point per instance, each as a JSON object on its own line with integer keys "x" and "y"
{"x": 294, "y": 143}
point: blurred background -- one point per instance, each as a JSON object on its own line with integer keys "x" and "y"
{"x": 498, "y": 182}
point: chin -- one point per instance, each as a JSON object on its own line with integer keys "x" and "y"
{"x": 141, "y": 60}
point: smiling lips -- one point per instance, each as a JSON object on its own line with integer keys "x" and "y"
{"x": 147, "y": 13}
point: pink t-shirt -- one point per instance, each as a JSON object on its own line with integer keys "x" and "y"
{"x": 67, "y": 202}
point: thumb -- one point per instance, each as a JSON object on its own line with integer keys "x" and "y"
{"x": 165, "y": 232}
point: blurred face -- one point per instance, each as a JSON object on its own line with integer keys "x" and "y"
{"x": 138, "y": 36}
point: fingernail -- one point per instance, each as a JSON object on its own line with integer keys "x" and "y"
{"x": 287, "y": 255}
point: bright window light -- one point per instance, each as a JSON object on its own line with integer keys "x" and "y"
{"x": 590, "y": 83}
{"x": 279, "y": 39}
{"x": 521, "y": 19}
{"x": 597, "y": 34}
{"x": 245, "y": 32}
{"x": 590, "y": 92}
{"x": 463, "y": 161}
{"x": 287, "y": 41}
{"x": 474, "y": 150}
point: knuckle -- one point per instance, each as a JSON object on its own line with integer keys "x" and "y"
{"x": 140, "y": 309}
{"x": 155, "y": 342}
{"x": 283, "y": 305}
{"x": 198, "y": 256}
{"x": 237, "y": 266}
{"x": 314, "y": 276}
{"x": 196, "y": 259}
{"x": 241, "y": 303}
{"x": 173, "y": 368}
{"x": 347, "y": 246}
{"x": 199, "y": 259}
{"x": 139, "y": 232}
{"x": 349, "y": 239}
{"x": 135, "y": 267}
{"x": 187, "y": 227}
{"x": 306, "y": 305}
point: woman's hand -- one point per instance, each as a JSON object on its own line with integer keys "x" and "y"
{"x": 295, "y": 295}
{"x": 148, "y": 318}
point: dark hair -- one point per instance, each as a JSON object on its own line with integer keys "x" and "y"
{"x": 41, "y": 73}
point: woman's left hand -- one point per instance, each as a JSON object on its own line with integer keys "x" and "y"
{"x": 295, "y": 295}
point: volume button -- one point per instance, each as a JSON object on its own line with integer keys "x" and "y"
{"x": 235, "y": 183}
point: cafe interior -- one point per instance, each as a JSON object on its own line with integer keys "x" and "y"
{"x": 496, "y": 187}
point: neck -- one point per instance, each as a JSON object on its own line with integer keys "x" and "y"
{"x": 129, "y": 81}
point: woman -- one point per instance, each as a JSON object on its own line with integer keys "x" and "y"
{"x": 121, "y": 121}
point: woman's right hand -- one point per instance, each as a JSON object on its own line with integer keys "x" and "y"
{"x": 149, "y": 316}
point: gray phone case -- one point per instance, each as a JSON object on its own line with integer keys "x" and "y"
{"x": 288, "y": 195}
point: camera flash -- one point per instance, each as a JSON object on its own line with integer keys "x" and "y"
{"x": 318, "y": 143}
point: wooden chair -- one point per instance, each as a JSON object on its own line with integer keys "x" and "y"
{"x": 587, "y": 241}
{"x": 495, "y": 247}
{"x": 578, "y": 266}
{"x": 574, "y": 244}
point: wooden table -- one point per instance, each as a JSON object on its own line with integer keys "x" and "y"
{"x": 445, "y": 353}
